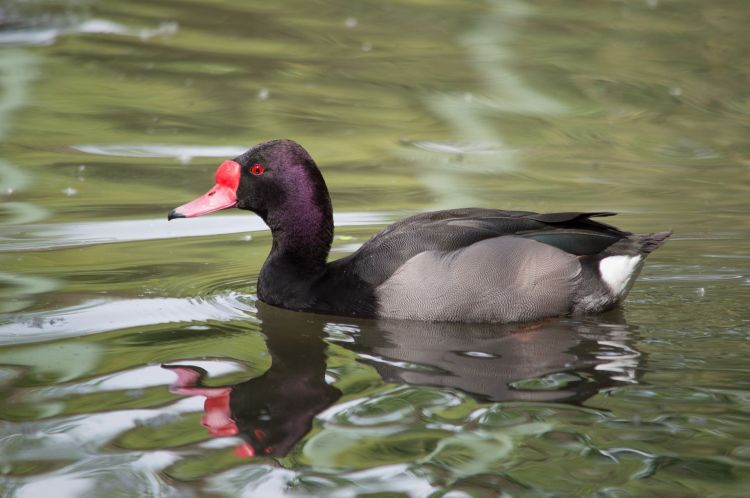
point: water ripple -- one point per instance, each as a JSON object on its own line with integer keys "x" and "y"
{"x": 76, "y": 439}
{"x": 101, "y": 315}
{"x": 53, "y": 236}
{"x": 48, "y": 33}
{"x": 133, "y": 379}
{"x": 14, "y": 289}
{"x": 184, "y": 153}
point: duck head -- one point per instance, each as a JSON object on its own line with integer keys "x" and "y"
{"x": 278, "y": 180}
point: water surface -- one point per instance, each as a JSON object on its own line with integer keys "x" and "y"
{"x": 135, "y": 359}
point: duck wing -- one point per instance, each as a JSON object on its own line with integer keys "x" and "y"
{"x": 448, "y": 230}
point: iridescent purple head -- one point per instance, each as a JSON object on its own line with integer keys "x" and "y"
{"x": 279, "y": 181}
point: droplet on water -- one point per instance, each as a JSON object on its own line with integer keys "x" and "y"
{"x": 263, "y": 94}
{"x": 69, "y": 191}
{"x": 350, "y": 22}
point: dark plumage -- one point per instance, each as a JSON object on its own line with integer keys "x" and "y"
{"x": 478, "y": 265}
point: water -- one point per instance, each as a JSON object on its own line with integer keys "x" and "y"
{"x": 127, "y": 341}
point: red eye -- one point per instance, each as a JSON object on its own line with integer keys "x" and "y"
{"x": 257, "y": 169}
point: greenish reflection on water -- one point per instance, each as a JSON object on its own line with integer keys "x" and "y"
{"x": 112, "y": 113}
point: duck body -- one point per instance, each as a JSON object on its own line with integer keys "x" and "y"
{"x": 459, "y": 265}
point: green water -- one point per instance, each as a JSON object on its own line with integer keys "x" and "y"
{"x": 113, "y": 112}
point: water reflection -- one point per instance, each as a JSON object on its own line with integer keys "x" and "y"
{"x": 552, "y": 361}
{"x": 273, "y": 411}
{"x": 59, "y": 235}
{"x": 22, "y": 31}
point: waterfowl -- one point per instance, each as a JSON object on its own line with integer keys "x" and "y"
{"x": 456, "y": 265}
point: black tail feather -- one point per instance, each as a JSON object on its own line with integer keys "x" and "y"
{"x": 652, "y": 241}
{"x": 638, "y": 244}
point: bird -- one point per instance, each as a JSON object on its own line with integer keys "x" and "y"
{"x": 474, "y": 265}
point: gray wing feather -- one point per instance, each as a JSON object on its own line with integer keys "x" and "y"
{"x": 454, "y": 229}
{"x": 502, "y": 279}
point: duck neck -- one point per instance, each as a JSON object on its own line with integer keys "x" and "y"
{"x": 302, "y": 233}
{"x": 302, "y": 239}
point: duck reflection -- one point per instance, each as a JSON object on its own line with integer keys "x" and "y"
{"x": 554, "y": 360}
{"x": 274, "y": 411}
{"x": 504, "y": 362}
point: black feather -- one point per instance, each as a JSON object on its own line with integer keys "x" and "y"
{"x": 453, "y": 229}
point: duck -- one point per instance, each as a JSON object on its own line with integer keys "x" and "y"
{"x": 474, "y": 265}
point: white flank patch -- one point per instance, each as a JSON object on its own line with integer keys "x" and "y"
{"x": 617, "y": 272}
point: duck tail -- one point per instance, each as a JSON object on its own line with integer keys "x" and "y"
{"x": 609, "y": 275}
{"x": 637, "y": 244}
{"x": 620, "y": 264}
